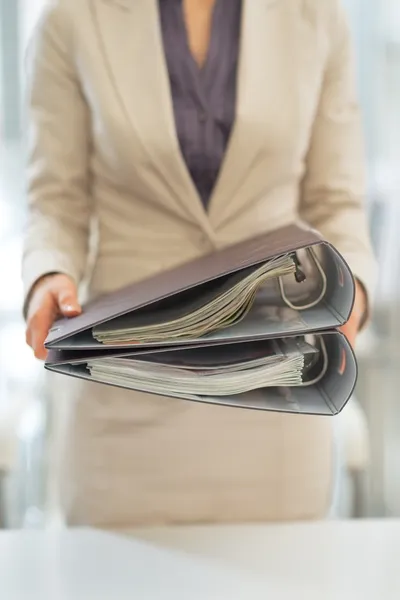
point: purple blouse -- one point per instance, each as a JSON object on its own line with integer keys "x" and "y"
{"x": 204, "y": 99}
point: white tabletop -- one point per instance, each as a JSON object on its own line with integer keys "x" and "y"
{"x": 332, "y": 560}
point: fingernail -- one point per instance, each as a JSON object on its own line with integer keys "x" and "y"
{"x": 70, "y": 308}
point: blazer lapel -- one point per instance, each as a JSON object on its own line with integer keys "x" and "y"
{"x": 266, "y": 97}
{"x": 132, "y": 43}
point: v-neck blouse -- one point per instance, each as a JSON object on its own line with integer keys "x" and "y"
{"x": 204, "y": 99}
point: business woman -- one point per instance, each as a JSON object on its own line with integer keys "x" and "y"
{"x": 174, "y": 127}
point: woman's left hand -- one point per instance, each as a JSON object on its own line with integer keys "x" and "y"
{"x": 352, "y": 327}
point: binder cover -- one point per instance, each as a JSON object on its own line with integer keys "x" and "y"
{"x": 327, "y": 397}
{"x": 269, "y": 317}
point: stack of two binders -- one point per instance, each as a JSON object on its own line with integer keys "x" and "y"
{"x": 254, "y": 325}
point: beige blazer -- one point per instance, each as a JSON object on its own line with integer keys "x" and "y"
{"x": 103, "y": 150}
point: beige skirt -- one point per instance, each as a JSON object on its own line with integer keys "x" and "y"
{"x": 123, "y": 459}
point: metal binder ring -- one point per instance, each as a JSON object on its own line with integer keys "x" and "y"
{"x": 325, "y": 365}
{"x": 321, "y": 271}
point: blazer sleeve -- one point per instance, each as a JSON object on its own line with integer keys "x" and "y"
{"x": 57, "y": 230}
{"x": 333, "y": 188}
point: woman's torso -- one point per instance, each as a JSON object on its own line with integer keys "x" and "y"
{"x": 150, "y": 212}
{"x": 139, "y": 459}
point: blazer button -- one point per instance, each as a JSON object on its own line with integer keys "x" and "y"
{"x": 202, "y": 117}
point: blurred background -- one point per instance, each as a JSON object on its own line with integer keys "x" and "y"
{"x": 368, "y": 430}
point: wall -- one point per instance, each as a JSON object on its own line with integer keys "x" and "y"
{"x": 9, "y": 64}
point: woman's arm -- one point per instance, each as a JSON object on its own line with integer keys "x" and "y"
{"x": 57, "y": 233}
{"x": 333, "y": 190}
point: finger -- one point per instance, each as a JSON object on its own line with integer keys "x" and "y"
{"x": 38, "y": 338}
{"x": 38, "y": 328}
{"x": 68, "y": 302}
{"x": 40, "y": 352}
{"x": 350, "y": 332}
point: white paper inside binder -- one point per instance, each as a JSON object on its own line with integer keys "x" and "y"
{"x": 219, "y": 304}
{"x": 231, "y": 370}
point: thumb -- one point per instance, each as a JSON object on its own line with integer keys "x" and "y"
{"x": 67, "y": 299}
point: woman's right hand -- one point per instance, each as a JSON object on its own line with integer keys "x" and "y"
{"x": 52, "y": 296}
